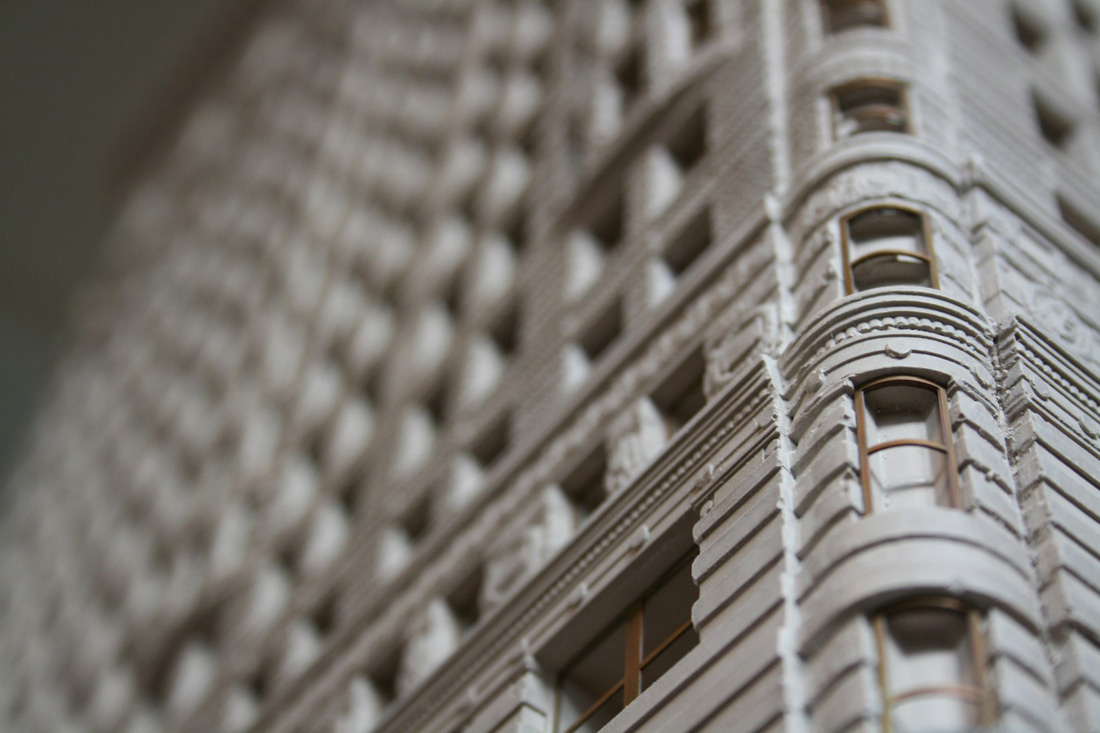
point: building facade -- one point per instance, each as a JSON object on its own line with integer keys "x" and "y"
{"x": 588, "y": 364}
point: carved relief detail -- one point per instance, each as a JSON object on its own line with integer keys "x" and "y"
{"x": 434, "y": 634}
{"x": 635, "y": 438}
{"x": 528, "y": 547}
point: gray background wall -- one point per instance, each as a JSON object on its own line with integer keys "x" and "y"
{"x": 81, "y": 84}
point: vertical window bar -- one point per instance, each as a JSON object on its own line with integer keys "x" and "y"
{"x": 988, "y": 714}
{"x": 949, "y": 446}
{"x": 864, "y": 456}
{"x": 879, "y": 624}
{"x": 632, "y": 680}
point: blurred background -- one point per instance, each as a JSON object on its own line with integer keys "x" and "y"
{"x": 87, "y": 87}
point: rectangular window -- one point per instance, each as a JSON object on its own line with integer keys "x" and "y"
{"x": 383, "y": 680}
{"x": 870, "y": 105}
{"x": 906, "y": 455}
{"x": 324, "y": 615}
{"x": 1084, "y": 15}
{"x": 845, "y": 15}
{"x": 370, "y": 694}
{"x": 1055, "y": 128}
{"x": 689, "y": 244}
{"x": 680, "y": 397}
{"x": 464, "y": 602}
{"x": 594, "y": 241}
{"x": 504, "y": 331}
{"x": 627, "y": 657}
{"x": 700, "y": 21}
{"x": 1029, "y": 32}
{"x": 932, "y": 666}
{"x": 585, "y": 484}
{"x": 1080, "y": 223}
{"x": 493, "y": 443}
{"x": 887, "y": 246}
{"x": 414, "y": 523}
{"x": 602, "y": 332}
{"x": 688, "y": 145}
{"x": 629, "y": 73}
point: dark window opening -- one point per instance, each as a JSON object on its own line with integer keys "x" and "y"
{"x": 628, "y": 75}
{"x": 452, "y": 296}
{"x": 415, "y": 522}
{"x": 259, "y": 683}
{"x": 607, "y": 228}
{"x": 350, "y": 492}
{"x": 887, "y": 246}
{"x": 1084, "y": 15}
{"x": 630, "y": 655}
{"x": 1086, "y": 227}
{"x": 505, "y": 331}
{"x": 689, "y": 244}
{"x": 1028, "y": 32}
{"x": 602, "y": 332}
{"x": 383, "y": 678}
{"x": 1054, "y": 128}
{"x": 493, "y": 443}
{"x": 870, "y": 105}
{"x": 844, "y": 15}
{"x": 680, "y": 397}
{"x": 289, "y": 556}
{"x": 585, "y": 484}
{"x": 700, "y": 21}
{"x": 518, "y": 230}
{"x": 324, "y": 618}
{"x": 688, "y": 145}
{"x": 372, "y": 387}
{"x": 436, "y": 402}
{"x": 464, "y": 601}
{"x": 315, "y": 449}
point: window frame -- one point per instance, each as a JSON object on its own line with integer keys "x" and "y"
{"x": 928, "y": 258}
{"x": 827, "y": 11}
{"x": 979, "y": 692}
{"x": 947, "y": 448}
{"x": 900, "y": 86}
{"x": 634, "y": 663}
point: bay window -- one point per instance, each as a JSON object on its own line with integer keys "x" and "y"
{"x": 887, "y": 246}
{"x": 905, "y": 450}
{"x": 932, "y": 666}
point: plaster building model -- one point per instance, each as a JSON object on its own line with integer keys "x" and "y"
{"x": 538, "y": 366}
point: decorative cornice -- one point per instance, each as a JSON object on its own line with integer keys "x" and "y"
{"x": 908, "y": 311}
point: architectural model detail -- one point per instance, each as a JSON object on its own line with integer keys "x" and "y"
{"x": 569, "y": 365}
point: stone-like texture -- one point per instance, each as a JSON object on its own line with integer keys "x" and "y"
{"x": 367, "y": 423}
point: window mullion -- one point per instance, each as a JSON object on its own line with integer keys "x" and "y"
{"x": 864, "y": 456}
{"x": 949, "y": 442}
{"x": 988, "y": 714}
{"x": 632, "y": 679}
{"x": 879, "y": 625}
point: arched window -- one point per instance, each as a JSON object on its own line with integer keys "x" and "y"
{"x": 906, "y": 455}
{"x": 932, "y": 662}
{"x": 887, "y": 246}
